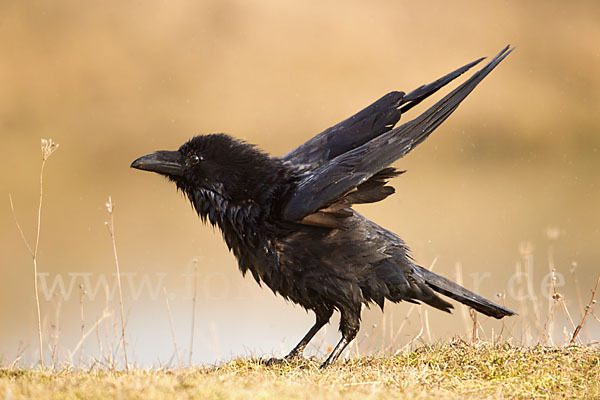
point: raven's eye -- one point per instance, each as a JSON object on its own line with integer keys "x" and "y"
{"x": 195, "y": 159}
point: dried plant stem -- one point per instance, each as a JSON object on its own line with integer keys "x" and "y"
{"x": 559, "y": 299}
{"x": 474, "y": 331}
{"x": 35, "y": 266}
{"x": 39, "y": 315}
{"x": 567, "y": 313}
{"x": 410, "y": 310}
{"x": 427, "y": 330}
{"x": 105, "y": 314}
{"x": 523, "y": 283}
{"x": 547, "y": 335}
{"x": 419, "y": 308}
{"x": 82, "y": 293}
{"x": 18, "y": 357}
{"x": 193, "y": 312}
{"x": 111, "y": 229}
{"x": 577, "y": 288}
{"x": 56, "y": 334}
{"x": 464, "y": 311}
{"x": 172, "y": 328}
{"x": 383, "y": 329}
{"x": 503, "y": 296}
{"x": 48, "y": 147}
{"x": 12, "y": 207}
{"x": 587, "y": 311}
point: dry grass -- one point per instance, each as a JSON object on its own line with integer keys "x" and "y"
{"x": 449, "y": 370}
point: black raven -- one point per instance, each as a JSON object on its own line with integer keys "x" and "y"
{"x": 290, "y": 221}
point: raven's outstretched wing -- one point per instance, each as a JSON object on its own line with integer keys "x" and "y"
{"x": 374, "y": 120}
{"x": 333, "y": 179}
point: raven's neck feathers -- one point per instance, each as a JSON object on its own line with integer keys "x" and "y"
{"x": 244, "y": 220}
{"x": 236, "y": 220}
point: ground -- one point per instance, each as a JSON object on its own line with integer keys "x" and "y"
{"x": 450, "y": 370}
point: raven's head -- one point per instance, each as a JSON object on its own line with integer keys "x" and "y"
{"x": 216, "y": 164}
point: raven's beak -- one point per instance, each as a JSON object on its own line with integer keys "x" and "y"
{"x": 168, "y": 163}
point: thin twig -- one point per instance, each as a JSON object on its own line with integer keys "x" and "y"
{"x": 568, "y": 314}
{"x": 48, "y": 147}
{"x": 56, "y": 333}
{"x": 587, "y": 311}
{"x": 37, "y": 305}
{"x": 172, "y": 328}
{"x": 410, "y": 310}
{"x": 503, "y": 297}
{"x": 573, "y": 272}
{"x": 552, "y": 301}
{"x": 111, "y": 229}
{"x": 35, "y": 284}
{"x": 427, "y": 330}
{"x": 485, "y": 337}
{"x": 18, "y": 357}
{"x": 547, "y": 335}
{"x": 527, "y": 256}
{"x": 99, "y": 339}
{"x": 414, "y": 339}
{"x": 383, "y": 328}
{"x": 105, "y": 314}
{"x": 464, "y": 311}
{"x": 12, "y": 208}
{"x": 559, "y": 299}
{"x": 82, "y": 294}
{"x": 474, "y": 332}
{"x": 553, "y": 234}
{"x": 193, "y": 312}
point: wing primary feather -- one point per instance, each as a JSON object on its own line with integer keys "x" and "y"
{"x": 374, "y": 120}
{"x": 332, "y": 180}
{"x": 422, "y": 92}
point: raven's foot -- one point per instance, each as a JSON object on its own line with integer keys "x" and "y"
{"x": 273, "y": 361}
{"x": 292, "y": 360}
{"x": 295, "y": 356}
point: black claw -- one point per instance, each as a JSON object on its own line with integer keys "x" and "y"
{"x": 274, "y": 361}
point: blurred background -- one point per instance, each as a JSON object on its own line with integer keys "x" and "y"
{"x": 509, "y": 183}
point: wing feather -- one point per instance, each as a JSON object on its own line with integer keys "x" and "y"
{"x": 332, "y": 180}
{"x": 371, "y": 122}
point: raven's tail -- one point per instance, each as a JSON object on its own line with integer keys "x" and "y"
{"x": 465, "y": 296}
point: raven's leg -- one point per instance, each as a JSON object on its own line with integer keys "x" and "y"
{"x": 323, "y": 316}
{"x": 349, "y": 326}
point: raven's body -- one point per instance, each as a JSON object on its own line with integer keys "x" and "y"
{"x": 289, "y": 221}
